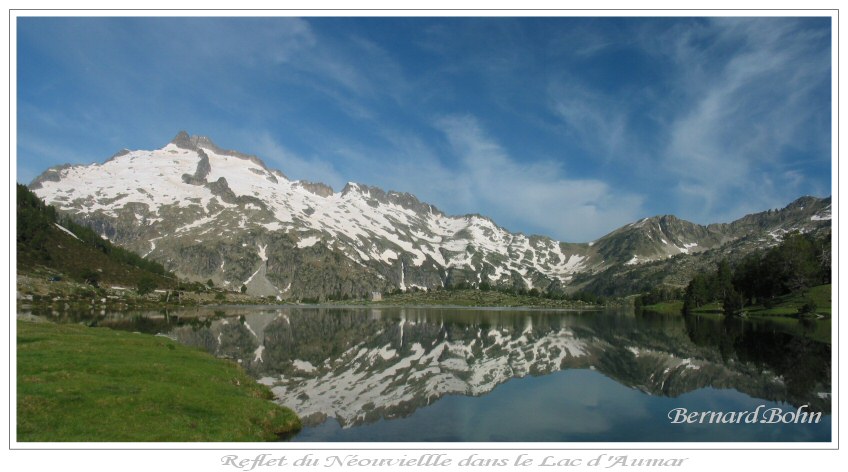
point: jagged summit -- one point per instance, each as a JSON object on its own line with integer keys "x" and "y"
{"x": 196, "y": 143}
{"x": 186, "y": 141}
{"x": 403, "y": 199}
{"x": 803, "y": 202}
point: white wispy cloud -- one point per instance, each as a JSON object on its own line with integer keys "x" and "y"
{"x": 354, "y": 73}
{"x": 227, "y": 43}
{"x": 598, "y": 121}
{"x": 727, "y": 126}
{"x": 538, "y": 194}
{"x": 30, "y": 147}
{"x": 745, "y": 118}
{"x": 293, "y": 165}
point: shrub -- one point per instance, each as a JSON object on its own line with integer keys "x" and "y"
{"x": 808, "y": 308}
{"x": 146, "y": 284}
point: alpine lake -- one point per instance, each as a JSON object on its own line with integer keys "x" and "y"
{"x": 443, "y": 374}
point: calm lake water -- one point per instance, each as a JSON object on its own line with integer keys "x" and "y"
{"x": 449, "y": 374}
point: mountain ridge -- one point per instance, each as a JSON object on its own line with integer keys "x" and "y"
{"x": 209, "y": 213}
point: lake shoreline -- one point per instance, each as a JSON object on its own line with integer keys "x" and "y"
{"x": 36, "y": 292}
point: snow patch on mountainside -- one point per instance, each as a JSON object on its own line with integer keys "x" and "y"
{"x": 67, "y": 231}
{"x": 686, "y": 247}
{"x": 823, "y": 216}
{"x": 308, "y": 242}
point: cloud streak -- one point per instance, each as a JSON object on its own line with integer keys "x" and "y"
{"x": 535, "y": 195}
{"x": 750, "y": 119}
{"x": 736, "y": 120}
{"x": 596, "y": 120}
{"x": 295, "y": 166}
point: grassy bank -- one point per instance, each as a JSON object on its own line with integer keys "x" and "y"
{"x": 674, "y": 307}
{"x": 94, "y": 384}
{"x": 787, "y": 305}
{"x": 475, "y": 298}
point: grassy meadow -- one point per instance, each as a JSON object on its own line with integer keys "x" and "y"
{"x": 82, "y": 384}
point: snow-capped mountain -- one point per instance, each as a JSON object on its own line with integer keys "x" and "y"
{"x": 208, "y": 213}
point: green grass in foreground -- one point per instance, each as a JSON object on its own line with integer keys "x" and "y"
{"x": 666, "y": 308}
{"x": 94, "y": 384}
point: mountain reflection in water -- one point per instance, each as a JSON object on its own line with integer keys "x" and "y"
{"x": 365, "y": 365}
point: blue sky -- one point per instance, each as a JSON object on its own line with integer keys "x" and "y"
{"x": 567, "y": 127}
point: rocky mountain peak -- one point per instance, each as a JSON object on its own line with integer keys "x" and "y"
{"x": 52, "y": 174}
{"x": 183, "y": 140}
{"x": 349, "y": 188}
{"x": 187, "y": 141}
{"x": 806, "y": 202}
{"x": 122, "y": 152}
{"x": 196, "y": 143}
{"x": 667, "y": 219}
{"x": 318, "y": 188}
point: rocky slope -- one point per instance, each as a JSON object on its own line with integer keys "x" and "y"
{"x": 208, "y": 213}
